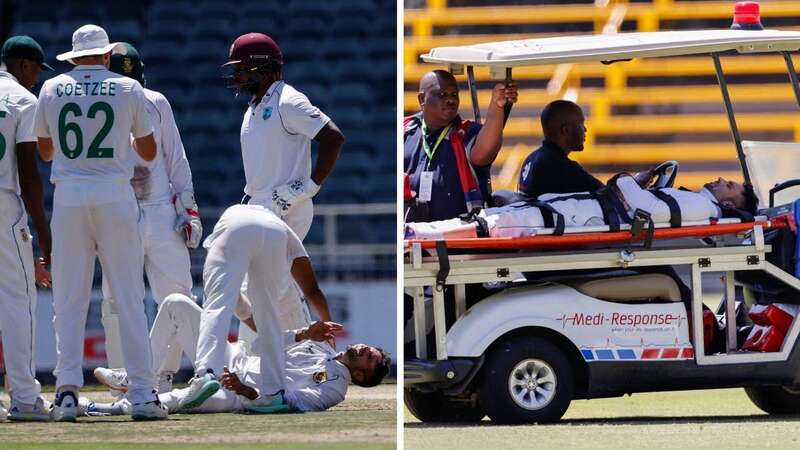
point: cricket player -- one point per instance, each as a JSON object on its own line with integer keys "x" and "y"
{"x": 21, "y": 63}
{"x": 720, "y": 198}
{"x": 170, "y": 220}
{"x": 84, "y": 121}
{"x": 316, "y": 376}
{"x": 250, "y": 240}
{"x": 276, "y": 135}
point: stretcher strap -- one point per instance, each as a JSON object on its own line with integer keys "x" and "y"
{"x": 614, "y": 212}
{"x": 640, "y": 219}
{"x": 548, "y": 212}
{"x": 610, "y": 215}
{"x": 675, "y": 218}
{"x": 444, "y": 265}
{"x": 482, "y": 229}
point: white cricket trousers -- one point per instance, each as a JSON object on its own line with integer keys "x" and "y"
{"x": 223, "y": 401}
{"x": 177, "y": 328}
{"x": 167, "y": 265}
{"x": 99, "y": 219}
{"x": 292, "y": 311}
{"x": 299, "y": 217}
{"x": 17, "y": 299}
{"x": 257, "y": 245}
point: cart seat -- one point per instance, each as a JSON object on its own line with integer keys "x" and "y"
{"x": 632, "y": 288}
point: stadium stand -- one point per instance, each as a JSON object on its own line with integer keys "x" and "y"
{"x": 347, "y": 69}
{"x": 639, "y": 113}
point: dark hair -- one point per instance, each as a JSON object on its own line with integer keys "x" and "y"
{"x": 750, "y": 200}
{"x": 380, "y": 371}
{"x": 553, "y": 114}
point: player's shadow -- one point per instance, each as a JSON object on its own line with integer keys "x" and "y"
{"x": 634, "y": 420}
{"x": 116, "y": 419}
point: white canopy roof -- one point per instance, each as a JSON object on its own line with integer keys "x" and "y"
{"x": 610, "y": 47}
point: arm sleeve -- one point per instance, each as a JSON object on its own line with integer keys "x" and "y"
{"x": 299, "y": 116}
{"x": 638, "y": 198}
{"x": 243, "y": 309}
{"x": 178, "y": 170}
{"x": 294, "y": 247}
{"x": 541, "y": 175}
{"x": 470, "y": 138}
{"x": 40, "y": 121}
{"x": 27, "y": 117}
{"x": 584, "y": 180}
{"x": 141, "y": 121}
{"x": 523, "y": 183}
{"x": 314, "y": 398}
{"x": 288, "y": 337}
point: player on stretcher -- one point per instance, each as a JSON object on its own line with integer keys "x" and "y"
{"x": 616, "y": 203}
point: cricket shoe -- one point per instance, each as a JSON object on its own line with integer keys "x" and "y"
{"x": 65, "y": 408}
{"x": 3, "y": 412}
{"x": 114, "y": 379}
{"x": 164, "y": 382}
{"x": 87, "y": 407}
{"x": 38, "y": 411}
{"x": 153, "y": 410}
{"x": 268, "y": 404}
{"x": 200, "y": 389}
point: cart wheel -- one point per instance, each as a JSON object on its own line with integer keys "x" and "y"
{"x": 775, "y": 399}
{"x": 435, "y": 407}
{"x": 526, "y": 380}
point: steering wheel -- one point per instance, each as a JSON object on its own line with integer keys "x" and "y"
{"x": 667, "y": 172}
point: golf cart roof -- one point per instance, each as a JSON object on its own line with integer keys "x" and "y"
{"x": 614, "y": 47}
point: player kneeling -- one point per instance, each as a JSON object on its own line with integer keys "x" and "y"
{"x": 316, "y": 376}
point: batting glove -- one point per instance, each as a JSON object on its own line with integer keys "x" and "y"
{"x": 188, "y": 223}
{"x": 291, "y": 193}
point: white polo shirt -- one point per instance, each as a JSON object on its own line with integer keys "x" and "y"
{"x": 17, "y": 108}
{"x": 276, "y": 138}
{"x": 90, "y": 114}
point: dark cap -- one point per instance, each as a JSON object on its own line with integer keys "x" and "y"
{"x": 251, "y": 45}
{"x": 23, "y": 47}
{"x": 125, "y": 60}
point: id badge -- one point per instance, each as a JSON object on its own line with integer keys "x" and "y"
{"x": 425, "y": 186}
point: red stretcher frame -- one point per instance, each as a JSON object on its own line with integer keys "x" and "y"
{"x": 576, "y": 240}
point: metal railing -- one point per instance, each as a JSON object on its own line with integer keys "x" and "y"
{"x": 332, "y": 258}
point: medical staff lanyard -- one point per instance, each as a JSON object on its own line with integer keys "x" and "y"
{"x": 425, "y": 146}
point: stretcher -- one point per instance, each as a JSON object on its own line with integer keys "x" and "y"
{"x": 429, "y": 264}
{"x": 600, "y": 235}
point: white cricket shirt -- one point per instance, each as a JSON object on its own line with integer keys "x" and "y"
{"x": 315, "y": 381}
{"x": 276, "y": 138}
{"x": 90, "y": 114}
{"x": 17, "y": 108}
{"x": 169, "y": 173}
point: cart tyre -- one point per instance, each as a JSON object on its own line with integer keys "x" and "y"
{"x": 435, "y": 407}
{"x": 526, "y": 380}
{"x": 775, "y": 399}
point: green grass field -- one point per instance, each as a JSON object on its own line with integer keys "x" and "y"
{"x": 365, "y": 420}
{"x": 675, "y": 420}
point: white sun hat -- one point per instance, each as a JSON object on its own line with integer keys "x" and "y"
{"x": 86, "y": 41}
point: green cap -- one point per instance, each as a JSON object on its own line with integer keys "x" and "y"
{"x": 23, "y": 47}
{"x": 125, "y": 60}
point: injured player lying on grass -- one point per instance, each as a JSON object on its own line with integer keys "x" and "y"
{"x": 617, "y": 203}
{"x": 317, "y": 376}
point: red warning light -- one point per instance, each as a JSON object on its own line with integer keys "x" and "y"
{"x": 746, "y": 16}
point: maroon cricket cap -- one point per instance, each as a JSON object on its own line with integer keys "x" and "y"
{"x": 253, "y": 44}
